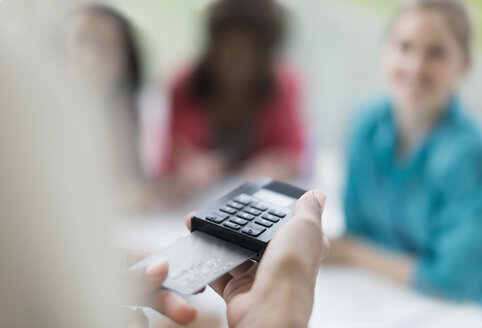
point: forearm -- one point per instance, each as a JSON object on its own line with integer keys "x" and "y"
{"x": 395, "y": 266}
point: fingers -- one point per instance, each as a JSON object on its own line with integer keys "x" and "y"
{"x": 174, "y": 307}
{"x": 155, "y": 274}
{"x": 240, "y": 284}
{"x": 187, "y": 220}
{"x": 310, "y": 205}
{"x": 243, "y": 268}
{"x": 297, "y": 248}
{"x": 219, "y": 285}
{"x": 145, "y": 281}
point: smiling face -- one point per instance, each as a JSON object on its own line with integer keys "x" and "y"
{"x": 423, "y": 62}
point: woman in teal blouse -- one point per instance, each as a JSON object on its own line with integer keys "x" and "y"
{"x": 414, "y": 182}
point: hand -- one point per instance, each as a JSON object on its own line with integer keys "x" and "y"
{"x": 148, "y": 292}
{"x": 279, "y": 291}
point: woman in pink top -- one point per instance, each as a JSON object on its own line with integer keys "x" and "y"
{"x": 236, "y": 109}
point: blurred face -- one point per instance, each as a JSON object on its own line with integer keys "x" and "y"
{"x": 96, "y": 49}
{"x": 235, "y": 58}
{"x": 423, "y": 62}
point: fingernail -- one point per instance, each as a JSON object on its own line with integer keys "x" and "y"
{"x": 320, "y": 197}
{"x": 157, "y": 267}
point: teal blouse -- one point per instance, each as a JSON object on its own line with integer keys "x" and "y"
{"x": 429, "y": 203}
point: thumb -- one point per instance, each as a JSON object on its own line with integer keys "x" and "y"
{"x": 310, "y": 206}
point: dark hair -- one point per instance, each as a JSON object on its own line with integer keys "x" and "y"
{"x": 456, "y": 14}
{"x": 263, "y": 19}
{"x": 133, "y": 78}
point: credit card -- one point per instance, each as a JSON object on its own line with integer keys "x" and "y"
{"x": 197, "y": 260}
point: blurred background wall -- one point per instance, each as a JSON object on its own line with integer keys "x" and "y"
{"x": 334, "y": 44}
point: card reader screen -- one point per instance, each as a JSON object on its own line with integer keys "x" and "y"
{"x": 274, "y": 197}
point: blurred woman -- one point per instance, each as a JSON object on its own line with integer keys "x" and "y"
{"x": 236, "y": 108}
{"x": 104, "y": 56}
{"x": 415, "y": 164}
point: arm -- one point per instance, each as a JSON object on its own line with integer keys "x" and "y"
{"x": 351, "y": 250}
{"x": 354, "y": 250}
{"x": 452, "y": 265}
{"x": 356, "y": 177}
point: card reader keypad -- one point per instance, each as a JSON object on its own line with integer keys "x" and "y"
{"x": 247, "y": 215}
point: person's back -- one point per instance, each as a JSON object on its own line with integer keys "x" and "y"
{"x": 53, "y": 207}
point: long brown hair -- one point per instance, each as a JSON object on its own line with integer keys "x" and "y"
{"x": 263, "y": 19}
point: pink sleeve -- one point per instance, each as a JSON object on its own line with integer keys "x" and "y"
{"x": 282, "y": 124}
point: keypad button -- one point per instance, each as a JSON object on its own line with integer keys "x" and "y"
{"x": 243, "y": 199}
{"x": 252, "y": 211}
{"x": 252, "y": 230}
{"x": 259, "y": 206}
{"x": 235, "y": 205}
{"x": 217, "y": 217}
{"x": 239, "y": 221}
{"x": 270, "y": 217}
{"x": 246, "y": 216}
{"x": 277, "y": 213}
{"x": 264, "y": 223}
{"x": 232, "y": 225}
{"x": 227, "y": 209}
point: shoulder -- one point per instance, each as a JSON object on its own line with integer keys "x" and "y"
{"x": 456, "y": 154}
{"x": 459, "y": 137}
